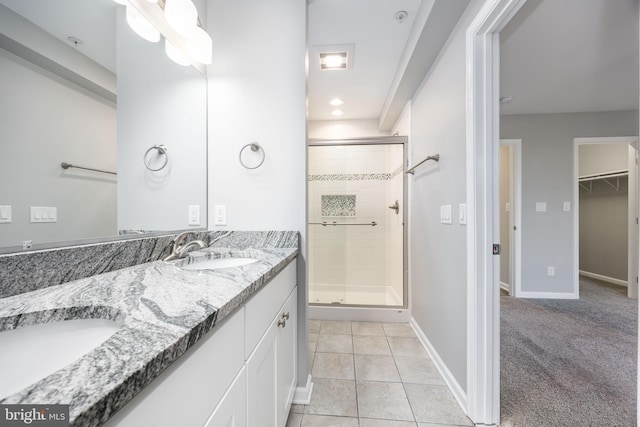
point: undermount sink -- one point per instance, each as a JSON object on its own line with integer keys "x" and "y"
{"x": 217, "y": 263}
{"x": 30, "y": 353}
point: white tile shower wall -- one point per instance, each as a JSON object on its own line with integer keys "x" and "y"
{"x": 354, "y": 255}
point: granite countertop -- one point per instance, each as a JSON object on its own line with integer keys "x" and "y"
{"x": 164, "y": 310}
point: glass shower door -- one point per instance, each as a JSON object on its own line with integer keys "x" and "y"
{"x": 356, "y": 224}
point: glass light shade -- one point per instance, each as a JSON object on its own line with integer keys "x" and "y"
{"x": 141, "y": 25}
{"x": 200, "y": 46}
{"x": 152, "y": 1}
{"x": 182, "y": 15}
{"x": 175, "y": 54}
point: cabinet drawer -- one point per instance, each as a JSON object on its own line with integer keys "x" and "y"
{"x": 265, "y": 305}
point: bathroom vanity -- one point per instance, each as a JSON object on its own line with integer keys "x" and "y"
{"x": 197, "y": 346}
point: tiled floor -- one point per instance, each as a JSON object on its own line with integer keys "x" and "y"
{"x": 371, "y": 374}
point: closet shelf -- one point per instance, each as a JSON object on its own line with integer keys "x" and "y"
{"x": 606, "y": 177}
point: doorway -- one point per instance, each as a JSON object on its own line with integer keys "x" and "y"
{"x": 510, "y": 207}
{"x": 606, "y": 200}
{"x": 357, "y": 217}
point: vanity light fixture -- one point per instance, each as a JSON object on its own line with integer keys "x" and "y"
{"x": 175, "y": 54}
{"x": 333, "y": 61}
{"x": 337, "y": 113}
{"x": 200, "y": 46}
{"x": 141, "y": 25}
{"x": 336, "y": 102}
{"x": 182, "y": 16}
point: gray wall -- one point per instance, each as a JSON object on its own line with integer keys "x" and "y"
{"x": 438, "y": 276}
{"x": 45, "y": 120}
{"x": 547, "y": 176}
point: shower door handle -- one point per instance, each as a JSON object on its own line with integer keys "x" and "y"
{"x": 395, "y": 207}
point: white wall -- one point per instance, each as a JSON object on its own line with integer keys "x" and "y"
{"x": 45, "y": 120}
{"x": 547, "y": 176}
{"x": 344, "y": 129}
{"x": 438, "y": 252}
{"x": 159, "y": 102}
{"x": 257, "y": 92}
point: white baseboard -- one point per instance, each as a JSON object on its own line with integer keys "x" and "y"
{"x": 302, "y": 395}
{"x": 505, "y": 286}
{"x": 604, "y": 278}
{"x": 455, "y": 388}
{"x": 548, "y": 295}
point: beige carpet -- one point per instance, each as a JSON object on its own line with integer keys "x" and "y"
{"x": 570, "y": 362}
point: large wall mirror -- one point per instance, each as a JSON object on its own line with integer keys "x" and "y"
{"x": 80, "y": 87}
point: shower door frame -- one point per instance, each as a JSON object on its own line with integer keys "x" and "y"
{"x": 383, "y": 140}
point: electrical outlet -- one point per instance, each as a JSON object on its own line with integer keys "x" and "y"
{"x": 541, "y": 206}
{"x": 551, "y": 270}
{"x": 220, "y": 215}
{"x": 194, "y": 214}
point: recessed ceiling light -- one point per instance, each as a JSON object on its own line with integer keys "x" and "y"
{"x": 333, "y": 61}
{"x": 337, "y": 113}
{"x": 336, "y": 102}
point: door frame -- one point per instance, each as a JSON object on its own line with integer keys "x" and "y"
{"x": 482, "y": 173}
{"x": 515, "y": 214}
{"x": 632, "y": 286}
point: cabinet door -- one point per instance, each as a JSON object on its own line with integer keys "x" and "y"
{"x": 232, "y": 409}
{"x": 287, "y": 356}
{"x": 261, "y": 380}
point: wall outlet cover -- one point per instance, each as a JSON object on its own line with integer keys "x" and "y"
{"x": 220, "y": 215}
{"x": 541, "y": 206}
{"x": 194, "y": 215}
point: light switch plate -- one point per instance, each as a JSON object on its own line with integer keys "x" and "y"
{"x": 43, "y": 214}
{"x": 445, "y": 214}
{"x": 541, "y": 206}
{"x": 566, "y": 206}
{"x": 462, "y": 213}
{"x": 194, "y": 214}
{"x": 5, "y": 214}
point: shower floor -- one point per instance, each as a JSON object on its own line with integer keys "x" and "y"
{"x": 353, "y": 295}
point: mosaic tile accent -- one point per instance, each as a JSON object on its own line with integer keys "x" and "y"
{"x": 338, "y": 205}
{"x": 357, "y": 176}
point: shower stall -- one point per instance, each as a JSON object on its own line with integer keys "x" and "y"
{"x": 357, "y": 217}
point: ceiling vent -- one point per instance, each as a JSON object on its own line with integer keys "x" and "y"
{"x": 335, "y": 57}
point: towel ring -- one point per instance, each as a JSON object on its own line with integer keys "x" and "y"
{"x": 254, "y": 147}
{"x": 162, "y": 150}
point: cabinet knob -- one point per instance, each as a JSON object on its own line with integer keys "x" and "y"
{"x": 285, "y": 315}
{"x": 282, "y": 323}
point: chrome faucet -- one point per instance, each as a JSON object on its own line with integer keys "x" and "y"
{"x": 180, "y": 249}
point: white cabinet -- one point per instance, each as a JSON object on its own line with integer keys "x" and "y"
{"x": 287, "y": 358}
{"x": 271, "y": 369}
{"x": 232, "y": 409}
